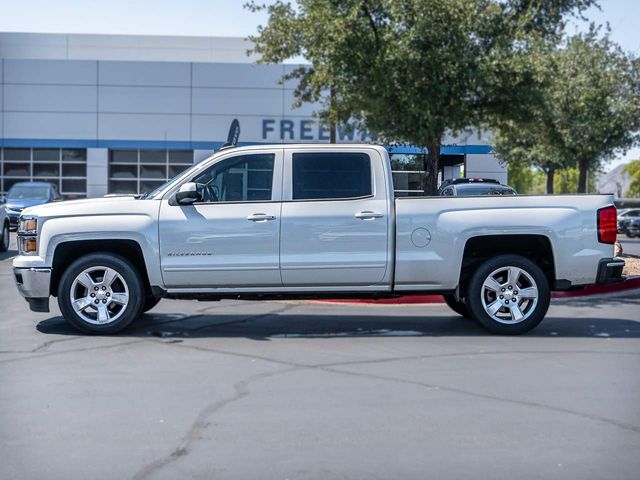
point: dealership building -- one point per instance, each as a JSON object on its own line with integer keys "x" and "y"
{"x": 98, "y": 114}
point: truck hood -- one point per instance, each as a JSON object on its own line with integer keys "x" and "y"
{"x": 125, "y": 204}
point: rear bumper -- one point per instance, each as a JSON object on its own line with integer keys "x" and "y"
{"x": 609, "y": 271}
{"x": 33, "y": 284}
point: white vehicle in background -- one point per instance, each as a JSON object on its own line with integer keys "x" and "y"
{"x": 310, "y": 221}
{"x": 5, "y": 235}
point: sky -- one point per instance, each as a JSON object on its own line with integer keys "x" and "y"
{"x": 229, "y": 18}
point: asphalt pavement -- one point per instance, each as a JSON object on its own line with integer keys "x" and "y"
{"x": 301, "y": 390}
{"x": 630, "y": 246}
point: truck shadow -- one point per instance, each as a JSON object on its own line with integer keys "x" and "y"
{"x": 8, "y": 254}
{"x": 269, "y": 326}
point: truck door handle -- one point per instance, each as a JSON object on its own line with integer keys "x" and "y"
{"x": 260, "y": 217}
{"x": 367, "y": 215}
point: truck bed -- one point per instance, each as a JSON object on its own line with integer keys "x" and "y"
{"x": 432, "y": 232}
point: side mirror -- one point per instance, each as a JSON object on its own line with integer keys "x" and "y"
{"x": 189, "y": 193}
{"x": 3, "y": 199}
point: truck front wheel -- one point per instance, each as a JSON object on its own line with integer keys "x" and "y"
{"x": 101, "y": 293}
{"x": 149, "y": 303}
{"x": 508, "y": 295}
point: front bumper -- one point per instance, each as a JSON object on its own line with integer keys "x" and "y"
{"x": 610, "y": 270}
{"x": 33, "y": 284}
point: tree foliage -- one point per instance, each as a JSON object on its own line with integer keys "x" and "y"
{"x": 633, "y": 170}
{"x": 408, "y": 71}
{"x": 587, "y": 112}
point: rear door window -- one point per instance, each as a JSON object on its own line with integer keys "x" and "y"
{"x": 331, "y": 175}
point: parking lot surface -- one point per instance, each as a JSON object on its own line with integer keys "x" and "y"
{"x": 301, "y": 390}
{"x": 630, "y": 246}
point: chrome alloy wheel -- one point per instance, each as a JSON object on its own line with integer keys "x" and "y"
{"x": 99, "y": 295}
{"x": 509, "y": 295}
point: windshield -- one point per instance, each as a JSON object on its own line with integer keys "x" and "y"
{"x": 24, "y": 192}
{"x": 158, "y": 191}
{"x": 486, "y": 190}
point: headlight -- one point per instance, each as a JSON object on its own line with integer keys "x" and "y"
{"x": 28, "y": 236}
{"x": 28, "y": 226}
{"x": 27, "y": 245}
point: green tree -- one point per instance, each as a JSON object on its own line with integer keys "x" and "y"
{"x": 522, "y": 144}
{"x": 594, "y": 101}
{"x": 409, "y": 71}
{"x": 587, "y": 110}
{"x": 633, "y": 170}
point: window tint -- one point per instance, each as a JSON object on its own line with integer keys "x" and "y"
{"x": 318, "y": 176}
{"x": 246, "y": 178}
{"x": 473, "y": 190}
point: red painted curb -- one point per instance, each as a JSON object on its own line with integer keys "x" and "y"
{"x": 628, "y": 284}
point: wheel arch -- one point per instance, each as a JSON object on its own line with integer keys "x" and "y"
{"x": 67, "y": 252}
{"x": 535, "y": 247}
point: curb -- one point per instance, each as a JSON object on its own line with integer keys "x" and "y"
{"x": 629, "y": 284}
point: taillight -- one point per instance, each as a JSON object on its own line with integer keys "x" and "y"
{"x": 607, "y": 225}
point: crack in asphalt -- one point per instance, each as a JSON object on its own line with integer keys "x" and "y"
{"x": 194, "y": 433}
{"x": 72, "y": 350}
{"x": 138, "y": 330}
{"x": 241, "y": 388}
{"x": 248, "y": 318}
{"x": 205, "y": 312}
{"x": 330, "y": 367}
{"x": 527, "y": 403}
{"x": 45, "y": 345}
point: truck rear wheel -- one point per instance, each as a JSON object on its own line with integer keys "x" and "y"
{"x": 508, "y": 295}
{"x": 100, "y": 293}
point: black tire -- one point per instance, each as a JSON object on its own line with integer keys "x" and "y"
{"x": 133, "y": 282}
{"x": 5, "y": 237}
{"x": 533, "y": 312}
{"x": 150, "y": 302}
{"x": 457, "y": 306}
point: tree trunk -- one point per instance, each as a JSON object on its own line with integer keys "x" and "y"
{"x": 583, "y": 166}
{"x": 431, "y": 162}
{"x": 550, "y": 175}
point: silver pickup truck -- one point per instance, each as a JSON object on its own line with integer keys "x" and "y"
{"x": 310, "y": 221}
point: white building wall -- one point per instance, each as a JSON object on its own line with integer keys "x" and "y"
{"x": 485, "y": 166}
{"x": 199, "y": 155}
{"x": 97, "y": 171}
{"x": 124, "y": 47}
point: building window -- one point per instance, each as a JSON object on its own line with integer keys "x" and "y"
{"x": 408, "y": 172}
{"x": 66, "y": 168}
{"x": 141, "y": 171}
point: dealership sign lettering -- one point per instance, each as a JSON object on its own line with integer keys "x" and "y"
{"x": 307, "y": 130}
